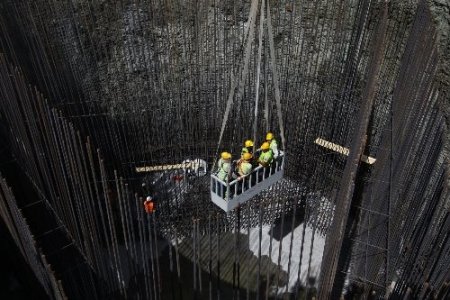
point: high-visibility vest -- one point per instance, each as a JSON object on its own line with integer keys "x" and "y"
{"x": 219, "y": 164}
{"x": 149, "y": 207}
{"x": 274, "y": 147}
{"x": 244, "y": 168}
{"x": 224, "y": 170}
{"x": 265, "y": 158}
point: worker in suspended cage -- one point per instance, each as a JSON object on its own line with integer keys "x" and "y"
{"x": 224, "y": 171}
{"x": 243, "y": 169}
{"x": 272, "y": 144}
{"x": 244, "y": 166}
{"x": 266, "y": 157}
{"x": 224, "y": 166}
{"x": 248, "y": 148}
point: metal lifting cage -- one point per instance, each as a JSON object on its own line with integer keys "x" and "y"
{"x": 228, "y": 195}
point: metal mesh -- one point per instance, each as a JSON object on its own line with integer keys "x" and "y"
{"x": 148, "y": 83}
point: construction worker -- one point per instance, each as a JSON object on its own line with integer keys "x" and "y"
{"x": 266, "y": 156}
{"x": 248, "y": 147}
{"x": 272, "y": 144}
{"x": 149, "y": 205}
{"x": 244, "y": 166}
{"x": 224, "y": 166}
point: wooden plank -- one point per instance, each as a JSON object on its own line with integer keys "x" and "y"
{"x": 342, "y": 150}
{"x": 187, "y": 165}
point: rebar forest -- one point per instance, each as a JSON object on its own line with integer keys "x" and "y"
{"x": 107, "y": 102}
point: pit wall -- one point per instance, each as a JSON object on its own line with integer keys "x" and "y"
{"x": 23, "y": 238}
{"x": 402, "y": 237}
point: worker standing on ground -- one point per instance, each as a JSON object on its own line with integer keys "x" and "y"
{"x": 248, "y": 147}
{"x": 244, "y": 166}
{"x": 272, "y": 144}
{"x": 224, "y": 166}
{"x": 266, "y": 156}
{"x": 149, "y": 205}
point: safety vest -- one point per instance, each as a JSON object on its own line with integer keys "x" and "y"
{"x": 149, "y": 207}
{"x": 274, "y": 147}
{"x": 244, "y": 168}
{"x": 265, "y": 158}
{"x": 224, "y": 170}
{"x": 219, "y": 164}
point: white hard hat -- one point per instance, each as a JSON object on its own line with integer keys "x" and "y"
{"x": 148, "y": 198}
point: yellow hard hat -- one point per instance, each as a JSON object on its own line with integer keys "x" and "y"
{"x": 269, "y": 136}
{"x": 225, "y": 155}
{"x": 265, "y": 146}
{"x": 248, "y": 143}
{"x": 247, "y": 156}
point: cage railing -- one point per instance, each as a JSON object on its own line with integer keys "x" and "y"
{"x": 228, "y": 195}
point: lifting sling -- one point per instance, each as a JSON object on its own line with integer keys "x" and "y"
{"x": 249, "y": 38}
